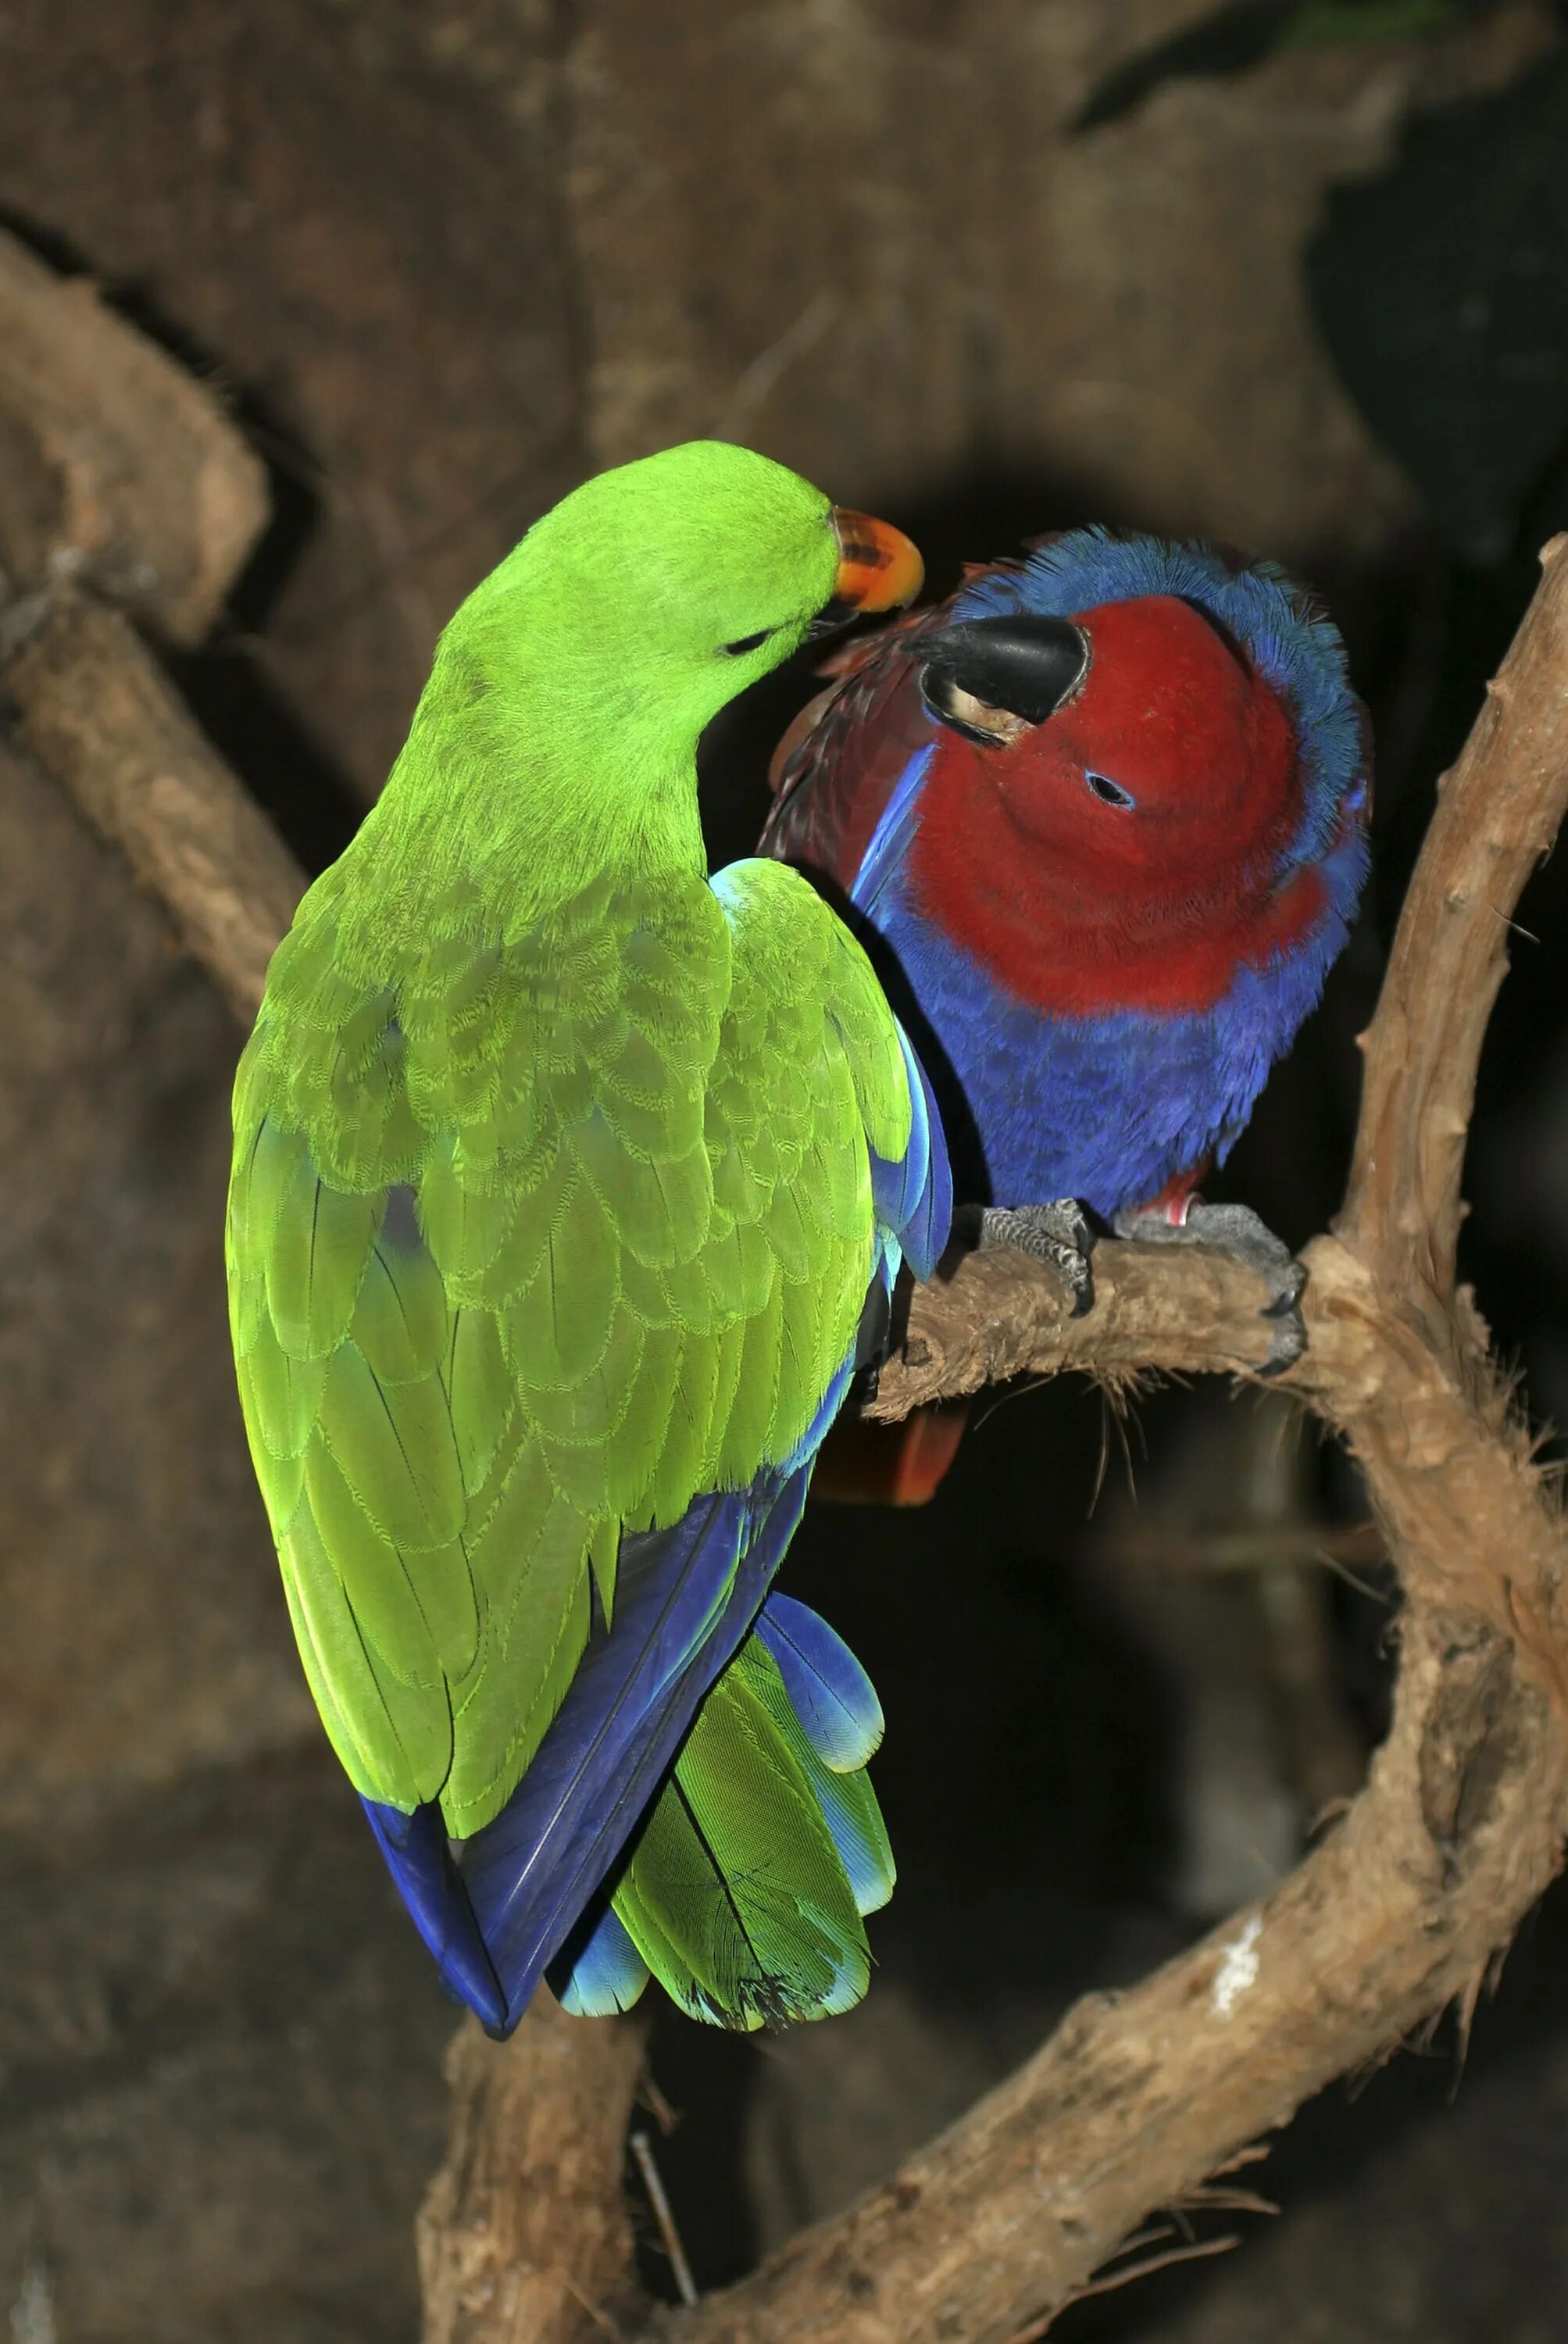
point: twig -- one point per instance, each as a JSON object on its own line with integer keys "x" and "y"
{"x": 601, "y": 2320}
{"x": 643, "y": 2150}
{"x": 656, "y": 2103}
{"x": 1197, "y": 2251}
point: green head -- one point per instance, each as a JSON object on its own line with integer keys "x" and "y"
{"x": 558, "y": 732}
{"x": 655, "y": 592}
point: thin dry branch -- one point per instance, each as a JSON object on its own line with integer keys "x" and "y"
{"x": 1138, "y": 2097}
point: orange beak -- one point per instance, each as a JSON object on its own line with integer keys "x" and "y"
{"x": 878, "y": 567}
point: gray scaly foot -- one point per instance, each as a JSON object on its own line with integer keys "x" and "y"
{"x": 1237, "y": 1230}
{"x": 1056, "y": 1234}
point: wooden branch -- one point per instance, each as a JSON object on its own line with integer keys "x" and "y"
{"x": 115, "y": 467}
{"x": 1498, "y": 812}
{"x": 1138, "y": 2097}
{"x": 1466, "y": 1515}
{"x": 95, "y": 710}
{"x": 524, "y": 2234}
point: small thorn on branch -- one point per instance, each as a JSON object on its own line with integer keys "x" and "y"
{"x": 1195, "y": 2251}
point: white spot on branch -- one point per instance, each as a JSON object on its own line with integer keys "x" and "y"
{"x": 1237, "y": 1973}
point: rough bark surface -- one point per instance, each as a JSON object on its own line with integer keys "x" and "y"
{"x": 905, "y": 132}
{"x": 1497, "y": 814}
{"x": 138, "y": 1586}
{"x": 540, "y": 2264}
{"x": 96, "y": 713}
{"x": 115, "y": 1065}
{"x": 1138, "y": 2098}
{"x": 115, "y": 465}
{"x": 455, "y": 251}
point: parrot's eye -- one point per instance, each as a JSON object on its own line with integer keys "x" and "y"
{"x": 744, "y": 643}
{"x": 1108, "y": 792}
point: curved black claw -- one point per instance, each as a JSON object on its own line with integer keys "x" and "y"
{"x": 1056, "y": 1234}
{"x": 1237, "y": 1230}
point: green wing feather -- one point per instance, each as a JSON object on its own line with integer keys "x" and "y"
{"x": 736, "y": 1895}
{"x": 532, "y": 1238}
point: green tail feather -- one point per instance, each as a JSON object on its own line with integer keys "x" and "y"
{"x": 737, "y": 1896}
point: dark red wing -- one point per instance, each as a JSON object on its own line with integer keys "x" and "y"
{"x": 840, "y": 760}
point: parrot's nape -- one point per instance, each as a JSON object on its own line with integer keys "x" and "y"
{"x": 1101, "y": 818}
{"x": 569, "y": 1189}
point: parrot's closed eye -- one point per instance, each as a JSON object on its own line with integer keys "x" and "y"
{"x": 744, "y": 643}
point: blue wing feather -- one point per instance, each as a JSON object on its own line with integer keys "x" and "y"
{"x": 417, "y": 1856}
{"x": 912, "y": 1194}
{"x": 888, "y": 846}
{"x": 683, "y": 1599}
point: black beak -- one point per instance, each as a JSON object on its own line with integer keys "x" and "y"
{"x": 1019, "y": 667}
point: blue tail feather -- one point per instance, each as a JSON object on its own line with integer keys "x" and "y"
{"x": 831, "y": 1693}
{"x": 601, "y": 1971}
{"x": 685, "y": 1599}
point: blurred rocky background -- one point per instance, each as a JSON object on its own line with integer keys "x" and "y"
{"x": 1293, "y": 273}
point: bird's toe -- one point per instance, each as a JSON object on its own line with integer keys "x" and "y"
{"x": 1056, "y": 1234}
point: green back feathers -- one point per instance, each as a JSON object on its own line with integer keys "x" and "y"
{"x": 581, "y": 1229}
{"x": 550, "y": 1206}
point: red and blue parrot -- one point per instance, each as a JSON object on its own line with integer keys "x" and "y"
{"x": 1101, "y": 819}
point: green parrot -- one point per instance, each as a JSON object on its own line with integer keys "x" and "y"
{"x": 570, "y": 1185}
